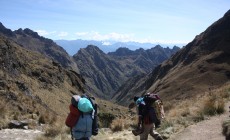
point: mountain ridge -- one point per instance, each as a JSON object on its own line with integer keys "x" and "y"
{"x": 198, "y": 67}
{"x": 31, "y": 40}
{"x": 105, "y": 73}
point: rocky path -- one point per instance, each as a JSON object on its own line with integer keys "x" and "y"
{"x": 210, "y": 129}
{"x": 18, "y": 134}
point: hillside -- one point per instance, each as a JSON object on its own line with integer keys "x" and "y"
{"x": 202, "y": 65}
{"x": 32, "y": 41}
{"x": 32, "y": 84}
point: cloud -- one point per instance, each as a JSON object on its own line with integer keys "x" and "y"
{"x": 45, "y": 33}
{"x": 162, "y": 41}
{"x": 81, "y": 33}
{"x": 123, "y": 38}
{"x": 42, "y": 32}
{"x": 110, "y": 36}
{"x": 62, "y": 34}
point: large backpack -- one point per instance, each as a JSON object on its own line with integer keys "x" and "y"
{"x": 153, "y": 111}
{"x": 79, "y": 106}
{"x": 95, "y": 125}
{"x": 74, "y": 114}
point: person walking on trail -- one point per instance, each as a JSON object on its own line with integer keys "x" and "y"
{"x": 147, "y": 117}
{"x": 82, "y": 118}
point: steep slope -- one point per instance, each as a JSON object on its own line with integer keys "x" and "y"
{"x": 31, "y": 83}
{"x": 103, "y": 75}
{"x": 106, "y": 73}
{"x": 201, "y": 65}
{"x": 31, "y": 40}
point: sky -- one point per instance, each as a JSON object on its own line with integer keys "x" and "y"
{"x": 153, "y": 21}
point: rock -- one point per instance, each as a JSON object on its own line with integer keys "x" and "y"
{"x": 17, "y": 124}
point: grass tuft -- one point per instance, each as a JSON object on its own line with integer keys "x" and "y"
{"x": 213, "y": 106}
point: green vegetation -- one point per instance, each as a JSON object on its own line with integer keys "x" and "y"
{"x": 213, "y": 106}
{"x": 105, "y": 119}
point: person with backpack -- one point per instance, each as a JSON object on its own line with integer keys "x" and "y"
{"x": 82, "y": 118}
{"x": 147, "y": 117}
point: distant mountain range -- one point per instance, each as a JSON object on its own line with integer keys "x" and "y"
{"x": 105, "y": 73}
{"x": 73, "y": 46}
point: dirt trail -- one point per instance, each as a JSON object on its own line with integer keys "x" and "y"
{"x": 210, "y": 129}
{"x": 18, "y": 134}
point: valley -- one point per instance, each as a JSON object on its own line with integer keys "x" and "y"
{"x": 38, "y": 79}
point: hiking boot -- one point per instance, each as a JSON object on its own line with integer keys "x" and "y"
{"x": 137, "y": 132}
{"x": 159, "y": 138}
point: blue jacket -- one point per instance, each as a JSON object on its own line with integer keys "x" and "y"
{"x": 83, "y": 127}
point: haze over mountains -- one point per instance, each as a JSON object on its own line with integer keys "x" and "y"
{"x": 73, "y": 46}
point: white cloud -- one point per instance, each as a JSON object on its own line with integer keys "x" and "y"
{"x": 45, "y": 33}
{"x": 81, "y": 33}
{"x": 42, "y": 32}
{"x": 161, "y": 41}
{"x": 123, "y": 38}
{"x": 106, "y": 43}
{"x": 62, "y": 34}
{"x": 110, "y": 36}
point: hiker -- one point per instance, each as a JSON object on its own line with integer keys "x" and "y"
{"x": 82, "y": 118}
{"x": 147, "y": 117}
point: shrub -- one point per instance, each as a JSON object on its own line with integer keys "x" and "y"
{"x": 120, "y": 124}
{"x": 52, "y": 131}
{"x": 42, "y": 119}
{"x": 213, "y": 106}
{"x": 199, "y": 116}
{"x": 166, "y": 124}
{"x": 47, "y": 118}
{"x": 117, "y": 125}
{"x": 2, "y": 111}
{"x": 105, "y": 119}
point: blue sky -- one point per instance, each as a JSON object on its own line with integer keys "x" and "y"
{"x": 155, "y": 21}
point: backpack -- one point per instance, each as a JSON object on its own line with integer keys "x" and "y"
{"x": 153, "y": 110}
{"x": 79, "y": 106}
{"x": 95, "y": 125}
{"x": 72, "y": 117}
{"x": 74, "y": 114}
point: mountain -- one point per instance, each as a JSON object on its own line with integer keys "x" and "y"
{"x": 145, "y": 60}
{"x": 31, "y": 40}
{"x": 106, "y": 73}
{"x": 200, "y": 66}
{"x": 103, "y": 74}
{"x": 30, "y": 83}
{"x": 111, "y": 70}
{"x": 73, "y": 46}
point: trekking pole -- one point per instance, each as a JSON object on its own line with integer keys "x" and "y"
{"x": 71, "y": 134}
